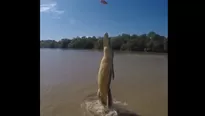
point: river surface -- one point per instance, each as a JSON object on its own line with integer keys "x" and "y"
{"x": 68, "y": 76}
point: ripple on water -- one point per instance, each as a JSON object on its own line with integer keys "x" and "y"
{"x": 92, "y": 107}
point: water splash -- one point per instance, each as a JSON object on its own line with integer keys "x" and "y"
{"x": 92, "y": 107}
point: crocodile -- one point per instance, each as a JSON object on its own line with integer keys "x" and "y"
{"x": 106, "y": 73}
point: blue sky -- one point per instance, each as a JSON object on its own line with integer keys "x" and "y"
{"x": 70, "y": 18}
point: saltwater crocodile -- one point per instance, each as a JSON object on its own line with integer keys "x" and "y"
{"x": 106, "y": 72}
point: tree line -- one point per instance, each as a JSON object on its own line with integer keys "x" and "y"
{"x": 151, "y": 42}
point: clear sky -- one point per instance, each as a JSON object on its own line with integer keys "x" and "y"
{"x": 70, "y": 18}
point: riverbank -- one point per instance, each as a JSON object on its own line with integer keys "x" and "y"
{"x": 150, "y": 42}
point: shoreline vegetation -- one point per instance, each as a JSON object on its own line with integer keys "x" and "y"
{"x": 151, "y": 42}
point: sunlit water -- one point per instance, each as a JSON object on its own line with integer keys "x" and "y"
{"x": 68, "y": 76}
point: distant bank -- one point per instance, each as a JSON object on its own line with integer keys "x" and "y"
{"x": 150, "y": 42}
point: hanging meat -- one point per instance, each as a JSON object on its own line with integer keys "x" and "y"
{"x": 103, "y": 1}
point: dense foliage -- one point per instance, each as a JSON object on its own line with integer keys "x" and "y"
{"x": 125, "y": 42}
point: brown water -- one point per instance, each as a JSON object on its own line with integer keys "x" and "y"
{"x": 68, "y": 76}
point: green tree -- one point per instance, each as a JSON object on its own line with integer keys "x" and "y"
{"x": 151, "y": 42}
{"x": 63, "y": 43}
